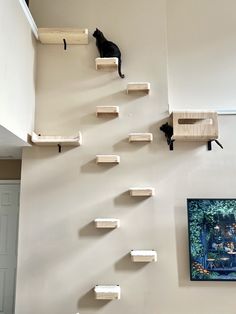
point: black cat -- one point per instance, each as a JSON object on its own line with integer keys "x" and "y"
{"x": 107, "y": 49}
{"x": 168, "y": 130}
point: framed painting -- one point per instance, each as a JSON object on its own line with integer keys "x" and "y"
{"x": 212, "y": 239}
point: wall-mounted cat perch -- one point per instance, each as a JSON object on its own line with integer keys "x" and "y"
{"x": 138, "y": 87}
{"x": 195, "y": 126}
{"x": 107, "y": 223}
{"x": 56, "y": 140}
{"x": 140, "y": 137}
{"x": 144, "y": 256}
{"x": 143, "y": 192}
{"x": 107, "y": 159}
{"x": 65, "y": 36}
{"x": 107, "y": 292}
{"x": 107, "y": 111}
{"x": 110, "y": 64}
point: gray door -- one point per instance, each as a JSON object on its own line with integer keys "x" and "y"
{"x": 9, "y": 208}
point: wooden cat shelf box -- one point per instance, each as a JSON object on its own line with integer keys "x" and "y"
{"x": 137, "y": 87}
{"x": 143, "y": 256}
{"x": 143, "y": 192}
{"x": 107, "y": 64}
{"x": 106, "y": 111}
{"x": 70, "y": 36}
{"x": 59, "y": 141}
{"x": 140, "y": 137}
{"x": 107, "y": 223}
{"x": 107, "y": 159}
{"x": 107, "y": 292}
{"x": 195, "y": 126}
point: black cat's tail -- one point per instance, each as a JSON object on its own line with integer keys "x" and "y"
{"x": 119, "y": 69}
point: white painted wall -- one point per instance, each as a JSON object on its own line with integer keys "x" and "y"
{"x": 201, "y": 54}
{"x": 17, "y": 63}
{"x": 61, "y": 255}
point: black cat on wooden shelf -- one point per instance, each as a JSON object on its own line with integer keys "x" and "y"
{"x": 107, "y": 49}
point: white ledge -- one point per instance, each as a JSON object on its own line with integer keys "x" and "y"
{"x": 143, "y": 256}
{"x": 107, "y": 223}
{"x": 107, "y": 292}
{"x": 56, "y": 140}
{"x": 144, "y": 192}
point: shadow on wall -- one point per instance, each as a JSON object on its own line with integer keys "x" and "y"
{"x": 92, "y": 167}
{"x": 88, "y": 301}
{"x": 126, "y": 264}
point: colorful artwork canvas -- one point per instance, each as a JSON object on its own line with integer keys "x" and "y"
{"x": 212, "y": 239}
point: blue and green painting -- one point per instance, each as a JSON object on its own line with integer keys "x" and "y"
{"x": 212, "y": 239}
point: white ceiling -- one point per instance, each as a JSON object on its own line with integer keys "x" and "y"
{"x": 10, "y": 145}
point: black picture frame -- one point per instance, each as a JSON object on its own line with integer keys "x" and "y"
{"x": 212, "y": 239}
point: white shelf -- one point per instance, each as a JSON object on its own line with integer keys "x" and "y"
{"x": 106, "y": 64}
{"x": 73, "y": 36}
{"x": 107, "y": 292}
{"x": 107, "y": 111}
{"x": 144, "y": 192}
{"x": 140, "y": 137}
{"x": 107, "y": 159}
{"x": 143, "y": 256}
{"x": 107, "y": 223}
{"x": 134, "y": 87}
{"x": 56, "y": 140}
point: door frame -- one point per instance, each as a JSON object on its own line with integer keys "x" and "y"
{"x": 14, "y": 182}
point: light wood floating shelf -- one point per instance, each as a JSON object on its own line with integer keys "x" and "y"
{"x": 73, "y": 36}
{"x": 107, "y": 292}
{"x": 145, "y": 192}
{"x": 140, "y": 137}
{"x": 195, "y": 126}
{"x": 56, "y": 140}
{"x": 107, "y": 223}
{"x": 108, "y": 159}
{"x": 106, "y": 63}
{"x": 107, "y": 111}
{"x": 144, "y": 256}
{"x": 134, "y": 87}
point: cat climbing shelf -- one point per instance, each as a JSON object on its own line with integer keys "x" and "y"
{"x": 144, "y": 256}
{"x": 143, "y": 192}
{"x": 107, "y": 159}
{"x": 59, "y": 141}
{"x": 138, "y": 87}
{"x": 107, "y": 292}
{"x": 70, "y": 36}
{"x": 107, "y": 223}
{"x": 107, "y": 111}
{"x": 106, "y": 64}
{"x": 140, "y": 137}
{"x": 195, "y": 126}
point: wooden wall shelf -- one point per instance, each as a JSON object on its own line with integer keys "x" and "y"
{"x": 195, "y": 125}
{"x": 107, "y": 159}
{"x": 106, "y": 64}
{"x": 144, "y": 192}
{"x": 140, "y": 137}
{"x": 144, "y": 256}
{"x": 73, "y": 36}
{"x": 107, "y": 292}
{"x": 42, "y": 140}
{"x": 137, "y": 87}
{"x": 107, "y": 111}
{"x": 107, "y": 223}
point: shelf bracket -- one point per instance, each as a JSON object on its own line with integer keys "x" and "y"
{"x": 65, "y": 44}
{"x": 59, "y": 148}
{"x": 209, "y": 144}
